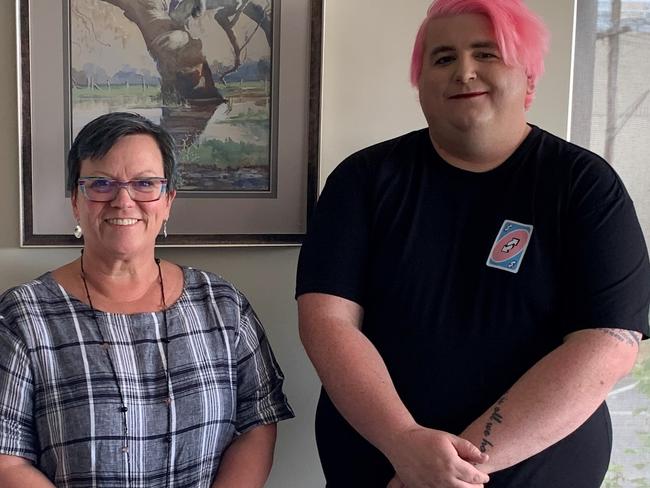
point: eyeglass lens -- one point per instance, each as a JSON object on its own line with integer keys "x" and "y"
{"x": 105, "y": 189}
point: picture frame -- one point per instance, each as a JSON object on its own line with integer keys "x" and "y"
{"x": 275, "y": 217}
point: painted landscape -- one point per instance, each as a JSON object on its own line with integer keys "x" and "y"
{"x": 200, "y": 68}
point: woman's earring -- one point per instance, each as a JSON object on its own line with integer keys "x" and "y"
{"x": 164, "y": 228}
{"x": 78, "y": 232}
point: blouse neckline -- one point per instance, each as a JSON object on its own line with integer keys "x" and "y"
{"x": 56, "y": 288}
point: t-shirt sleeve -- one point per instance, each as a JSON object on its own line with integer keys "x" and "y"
{"x": 334, "y": 255}
{"x": 16, "y": 389}
{"x": 607, "y": 265}
{"x": 260, "y": 399}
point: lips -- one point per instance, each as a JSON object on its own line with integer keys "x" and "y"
{"x": 122, "y": 221}
{"x": 461, "y": 96}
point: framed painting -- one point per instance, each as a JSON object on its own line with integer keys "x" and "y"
{"x": 235, "y": 82}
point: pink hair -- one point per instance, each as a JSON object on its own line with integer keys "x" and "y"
{"x": 521, "y": 35}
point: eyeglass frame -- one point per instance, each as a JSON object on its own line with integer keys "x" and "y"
{"x": 118, "y": 185}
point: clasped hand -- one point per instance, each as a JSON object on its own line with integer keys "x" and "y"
{"x": 428, "y": 458}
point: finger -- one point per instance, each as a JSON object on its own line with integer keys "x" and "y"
{"x": 468, "y": 451}
{"x": 395, "y": 483}
{"x": 470, "y": 474}
{"x": 460, "y": 484}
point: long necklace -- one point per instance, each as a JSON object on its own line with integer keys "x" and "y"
{"x": 123, "y": 408}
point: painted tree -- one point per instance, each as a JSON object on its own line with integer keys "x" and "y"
{"x": 188, "y": 92}
{"x": 227, "y": 14}
{"x": 184, "y": 71}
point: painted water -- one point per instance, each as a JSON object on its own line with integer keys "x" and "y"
{"x": 222, "y": 150}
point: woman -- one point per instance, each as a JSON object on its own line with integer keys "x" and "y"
{"x": 119, "y": 369}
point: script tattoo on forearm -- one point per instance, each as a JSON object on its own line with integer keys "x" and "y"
{"x": 628, "y": 336}
{"x": 496, "y": 417}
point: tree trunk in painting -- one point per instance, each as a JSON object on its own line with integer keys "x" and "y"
{"x": 184, "y": 71}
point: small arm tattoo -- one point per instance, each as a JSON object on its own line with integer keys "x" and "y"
{"x": 630, "y": 337}
{"x": 496, "y": 417}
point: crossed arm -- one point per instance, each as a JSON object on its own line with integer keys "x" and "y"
{"x": 554, "y": 397}
{"x": 541, "y": 408}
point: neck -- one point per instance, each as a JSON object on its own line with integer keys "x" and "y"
{"x": 132, "y": 268}
{"x": 478, "y": 151}
{"x": 128, "y": 279}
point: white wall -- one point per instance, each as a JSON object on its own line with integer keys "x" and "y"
{"x": 366, "y": 98}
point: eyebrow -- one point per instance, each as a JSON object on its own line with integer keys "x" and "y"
{"x": 143, "y": 174}
{"x": 475, "y": 45}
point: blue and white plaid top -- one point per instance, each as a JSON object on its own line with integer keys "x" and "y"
{"x": 60, "y": 406}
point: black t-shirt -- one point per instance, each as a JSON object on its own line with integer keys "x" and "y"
{"x": 468, "y": 279}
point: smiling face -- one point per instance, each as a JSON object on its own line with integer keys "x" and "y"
{"x": 464, "y": 85}
{"x": 123, "y": 228}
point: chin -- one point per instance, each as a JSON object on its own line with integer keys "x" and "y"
{"x": 468, "y": 124}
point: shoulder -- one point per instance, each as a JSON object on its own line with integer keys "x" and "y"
{"x": 219, "y": 299}
{"x": 31, "y": 292}
{"x": 201, "y": 284}
{"x": 377, "y": 156}
{"x": 403, "y": 143}
{"x": 25, "y": 301}
{"x": 199, "y": 277}
{"x": 555, "y": 151}
{"x": 581, "y": 173}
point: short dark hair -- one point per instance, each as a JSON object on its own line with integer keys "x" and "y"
{"x": 99, "y": 135}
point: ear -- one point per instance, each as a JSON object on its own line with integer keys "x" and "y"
{"x": 74, "y": 199}
{"x": 170, "y": 198}
{"x": 530, "y": 86}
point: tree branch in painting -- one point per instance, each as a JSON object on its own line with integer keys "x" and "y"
{"x": 184, "y": 71}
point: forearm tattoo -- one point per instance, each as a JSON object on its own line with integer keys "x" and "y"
{"x": 630, "y": 337}
{"x": 496, "y": 417}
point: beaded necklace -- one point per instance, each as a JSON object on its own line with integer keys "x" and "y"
{"x": 123, "y": 408}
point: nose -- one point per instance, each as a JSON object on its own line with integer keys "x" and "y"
{"x": 122, "y": 198}
{"x": 465, "y": 69}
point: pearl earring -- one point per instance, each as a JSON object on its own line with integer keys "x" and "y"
{"x": 78, "y": 232}
{"x": 164, "y": 228}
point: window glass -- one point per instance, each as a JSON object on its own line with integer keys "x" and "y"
{"x": 611, "y": 116}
